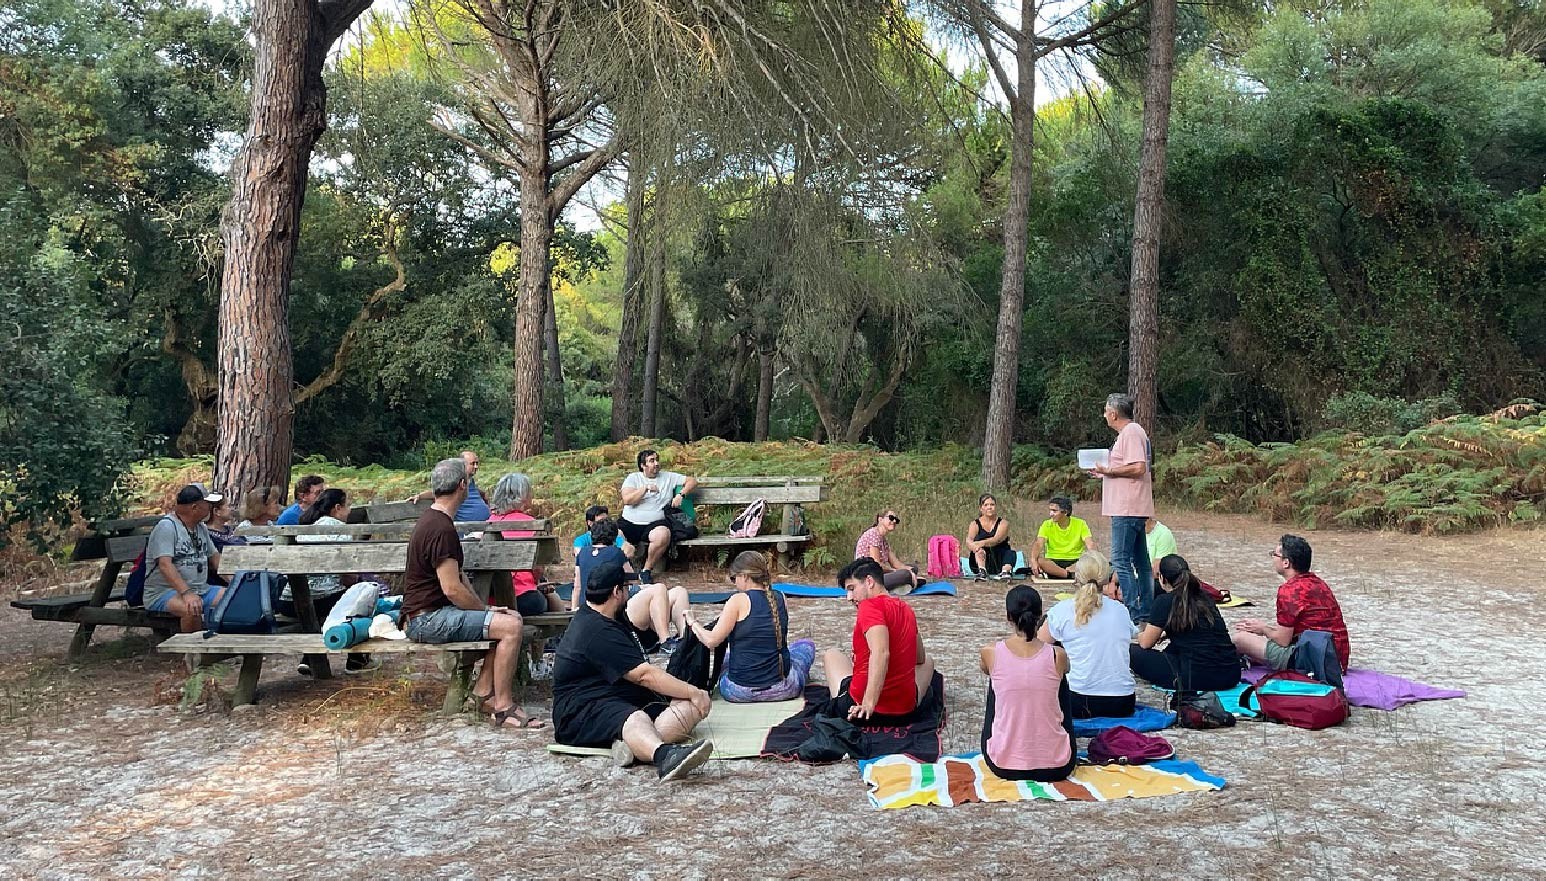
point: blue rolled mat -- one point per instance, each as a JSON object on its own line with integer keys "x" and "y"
{"x": 342, "y": 636}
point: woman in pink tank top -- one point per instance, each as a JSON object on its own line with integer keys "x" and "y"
{"x": 1028, "y": 731}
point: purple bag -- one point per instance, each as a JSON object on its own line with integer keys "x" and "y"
{"x": 1124, "y": 746}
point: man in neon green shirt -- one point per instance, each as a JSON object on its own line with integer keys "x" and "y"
{"x": 1160, "y": 540}
{"x": 1060, "y": 541}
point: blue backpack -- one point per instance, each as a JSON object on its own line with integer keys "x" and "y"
{"x": 247, "y": 606}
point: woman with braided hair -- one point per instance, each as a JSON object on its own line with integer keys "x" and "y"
{"x": 760, "y": 665}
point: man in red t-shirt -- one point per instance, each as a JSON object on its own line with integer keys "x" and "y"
{"x": 890, "y": 673}
{"x": 1304, "y": 603}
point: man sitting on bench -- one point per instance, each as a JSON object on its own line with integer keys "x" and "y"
{"x": 307, "y": 490}
{"x": 607, "y": 693}
{"x": 440, "y": 606}
{"x": 890, "y": 674}
{"x": 179, "y": 558}
{"x": 646, "y": 495}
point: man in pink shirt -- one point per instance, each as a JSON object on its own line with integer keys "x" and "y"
{"x": 1127, "y": 497}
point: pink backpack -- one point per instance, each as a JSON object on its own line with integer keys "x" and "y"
{"x": 944, "y": 557}
{"x": 749, "y": 522}
{"x": 1124, "y": 746}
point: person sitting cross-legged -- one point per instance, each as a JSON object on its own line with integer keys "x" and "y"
{"x": 607, "y": 693}
{"x": 1095, "y": 630}
{"x": 760, "y": 665}
{"x": 898, "y": 576}
{"x": 1027, "y": 730}
{"x": 651, "y": 609}
{"x": 1060, "y": 541}
{"x": 1305, "y": 602}
{"x": 890, "y": 674}
{"x": 1200, "y": 656}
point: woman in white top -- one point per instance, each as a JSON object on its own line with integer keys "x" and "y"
{"x": 260, "y": 508}
{"x": 1096, "y": 634}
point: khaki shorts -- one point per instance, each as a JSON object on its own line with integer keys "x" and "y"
{"x": 1278, "y": 656}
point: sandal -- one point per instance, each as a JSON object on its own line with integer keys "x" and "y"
{"x": 483, "y": 700}
{"x": 501, "y": 719}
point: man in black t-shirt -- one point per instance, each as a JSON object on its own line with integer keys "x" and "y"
{"x": 605, "y": 691}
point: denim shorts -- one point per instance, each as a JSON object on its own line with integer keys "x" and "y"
{"x": 450, "y": 624}
{"x": 159, "y": 603}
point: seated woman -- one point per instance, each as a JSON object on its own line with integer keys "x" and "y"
{"x": 1201, "y": 656}
{"x": 900, "y": 578}
{"x": 1095, "y": 633}
{"x": 987, "y": 541}
{"x": 330, "y": 509}
{"x": 760, "y": 665}
{"x": 260, "y": 508}
{"x": 221, "y": 530}
{"x": 1028, "y": 731}
{"x": 651, "y": 608}
{"x": 508, "y": 502}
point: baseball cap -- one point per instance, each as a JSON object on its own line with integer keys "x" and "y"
{"x": 195, "y": 492}
{"x": 603, "y": 578}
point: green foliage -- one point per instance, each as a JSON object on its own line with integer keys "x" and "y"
{"x": 1367, "y": 414}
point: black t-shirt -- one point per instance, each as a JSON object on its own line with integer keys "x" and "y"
{"x": 1207, "y": 644}
{"x": 594, "y": 657}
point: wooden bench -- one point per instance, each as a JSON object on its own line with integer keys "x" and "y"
{"x": 790, "y": 493}
{"x": 116, "y": 543}
{"x": 252, "y": 648}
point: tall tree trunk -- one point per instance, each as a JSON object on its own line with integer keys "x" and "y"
{"x": 657, "y": 315}
{"x": 536, "y": 237}
{"x": 259, "y": 230}
{"x": 1149, "y": 215}
{"x": 999, "y": 435}
{"x": 633, "y": 302}
{"x": 764, "y": 394}
{"x": 555, "y": 369}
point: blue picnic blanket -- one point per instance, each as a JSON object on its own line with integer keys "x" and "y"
{"x": 1143, "y": 719}
{"x": 790, "y": 589}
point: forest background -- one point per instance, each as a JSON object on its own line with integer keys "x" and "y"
{"x": 1353, "y": 249}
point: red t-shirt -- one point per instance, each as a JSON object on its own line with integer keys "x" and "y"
{"x": 1306, "y": 603}
{"x": 524, "y": 580}
{"x": 899, "y": 693}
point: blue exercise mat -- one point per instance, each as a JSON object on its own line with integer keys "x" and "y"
{"x": 352, "y": 633}
{"x": 1144, "y": 718}
{"x": 789, "y": 589}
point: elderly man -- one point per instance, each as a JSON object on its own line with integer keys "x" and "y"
{"x": 1304, "y": 603}
{"x": 1127, "y": 497}
{"x": 440, "y": 606}
{"x": 646, "y": 495}
{"x": 307, "y": 490}
{"x": 179, "y": 558}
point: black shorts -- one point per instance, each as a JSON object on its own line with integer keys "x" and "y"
{"x": 599, "y": 723}
{"x": 532, "y": 602}
{"x": 842, "y": 702}
{"x": 636, "y": 534}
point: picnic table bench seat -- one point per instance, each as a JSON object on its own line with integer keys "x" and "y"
{"x": 789, "y": 493}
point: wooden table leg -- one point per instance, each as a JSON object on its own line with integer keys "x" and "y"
{"x": 461, "y": 683}
{"x": 247, "y": 681}
{"x": 99, "y": 594}
{"x": 306, "y": 613}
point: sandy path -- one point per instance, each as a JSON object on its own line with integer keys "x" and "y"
{"x": 98, "y": 777}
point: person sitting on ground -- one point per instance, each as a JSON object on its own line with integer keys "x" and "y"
{"x": 760, "y": 664}
{"x": 652, "y": 609}
{"x": 1200, "y": 656}
{"x": 607, "y": 693}
{"x": 440, "y": 606}
{"x": 987, "y": 541}
{"x": 179, "y": 557}
{"x": 509, "y": 502}
{"x": 872, "y": 545}
{"x": 646, "y": 495}
{"x": 1060, "y": 541}
{"x": 1161, "y": 542}
{"x": 306, "y": 491}
{"x": 260, "y": 507}
{"x": 1305, "y": 602}
{"x": 890, "y": 674}
{"x": 1095, "y": 633}
{"x": 221, "y": 530}
{"x": 583, "y": 539}
{"x": 330, "y": 509}
{"x": 1028, "y": 729}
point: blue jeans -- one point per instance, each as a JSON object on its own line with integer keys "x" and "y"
{"x": 1130, "y": 559}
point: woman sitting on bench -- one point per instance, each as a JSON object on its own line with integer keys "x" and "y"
{"x": 1027, "y": 732}
{"x": 509, "y": 501}
{"x": 330, "y": 509}
{"x": 761, "y": 664}
{"x": 900, "y": 578}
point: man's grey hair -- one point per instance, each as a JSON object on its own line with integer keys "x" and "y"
{"x": 1121, "y": 403}
{"x": 445, "y": 476}
{"x": 511, "y": 493}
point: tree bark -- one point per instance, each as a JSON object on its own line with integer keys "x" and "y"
{"x": 657, "y": 316}
{"x": 259, "y": 230}
{"x": 764, "y": 394}
{"x": 536, "y": 237}
{"x": 999, "y": 435}
{"x": 633, "y": 303}
{"x": 1148, "y": 216}
{"x": 555, "y": 369}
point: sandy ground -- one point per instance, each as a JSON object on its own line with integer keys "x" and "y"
{"x": 102, "y": 775}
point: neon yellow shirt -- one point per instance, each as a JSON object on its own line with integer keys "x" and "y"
{"x": 1064, "y": 544}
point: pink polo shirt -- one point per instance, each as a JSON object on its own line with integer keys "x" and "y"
{"x": 1129, "y": 496}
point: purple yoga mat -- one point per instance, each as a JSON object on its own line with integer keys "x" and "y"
{"x": 1381, "y": 691}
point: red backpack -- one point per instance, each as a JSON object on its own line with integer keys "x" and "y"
{"x": 1122, "y": 745}
{"x": 1298, "y": 700}
{"x": 944, "y": 557}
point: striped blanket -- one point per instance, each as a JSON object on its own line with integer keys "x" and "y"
{"x": 901, "y": 782}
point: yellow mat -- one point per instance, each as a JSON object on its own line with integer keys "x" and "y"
{"x": 901, "y": 782}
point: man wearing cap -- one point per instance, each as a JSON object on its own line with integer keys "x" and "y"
{"x": 179, "y": 557}
{"x": 607, "y": 693}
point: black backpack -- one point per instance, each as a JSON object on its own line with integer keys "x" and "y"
{"x": 693, "y": 663}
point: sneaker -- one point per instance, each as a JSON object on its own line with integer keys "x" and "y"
{"x": 645, "y": 577}
{"x": 361, "y": 664}
{"x": 902, "y": 590}
{"x": 673, "y": 761}
{"x": 670, "y": 644}
{"x": 622, "y": 754}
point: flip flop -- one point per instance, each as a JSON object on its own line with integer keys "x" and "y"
{"x": 501, "y": 719}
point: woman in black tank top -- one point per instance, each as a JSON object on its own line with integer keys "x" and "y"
{"x": 987, "y": 542}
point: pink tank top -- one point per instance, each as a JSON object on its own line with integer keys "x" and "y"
{"x": 1028, "y": 731}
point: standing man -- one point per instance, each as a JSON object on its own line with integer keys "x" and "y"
{"x": 307, "y": 490}
{"x": 179, "y": 558}
{"x": 440, "y": 606}
{"x": 1304, "y": 603}
{"x": 646, "y": 494}
{"x": 1127, "y": 497}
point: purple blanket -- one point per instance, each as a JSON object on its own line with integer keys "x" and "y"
{"x": 1382, "y": 691}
